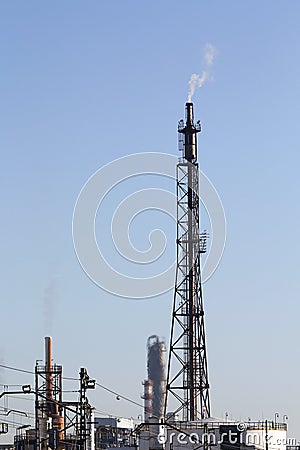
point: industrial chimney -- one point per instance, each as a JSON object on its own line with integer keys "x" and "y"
{"x": 157, "y": 373}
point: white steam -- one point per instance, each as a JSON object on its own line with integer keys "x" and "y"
{"x": 196, "y": 80}
{"x": 209, "y": 54}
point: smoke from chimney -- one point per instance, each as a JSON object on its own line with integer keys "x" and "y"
{"x": 196, "y": 80}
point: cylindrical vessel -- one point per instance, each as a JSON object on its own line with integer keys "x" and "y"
{"x": 156, "y": 373}
{"x": 189, "y": 113}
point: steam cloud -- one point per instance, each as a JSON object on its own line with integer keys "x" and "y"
{"x": 196, "y": 80}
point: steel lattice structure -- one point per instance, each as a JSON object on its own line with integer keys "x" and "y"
{"x": 187, "y": 378}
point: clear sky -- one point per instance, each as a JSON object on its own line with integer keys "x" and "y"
{"x": 83, "y": 83}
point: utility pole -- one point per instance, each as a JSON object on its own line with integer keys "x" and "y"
{"x": 84, "y": 408}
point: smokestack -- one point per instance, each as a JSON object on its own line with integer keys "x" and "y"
{"x": 189, "y": 107}
{"x": 48, "y": 366}
{"x": 156, "y": 373}
{"x": 51, "y": 402}
{"x": 189, "y": 131}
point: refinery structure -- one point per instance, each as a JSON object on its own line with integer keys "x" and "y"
{"x": 176, "y": 391}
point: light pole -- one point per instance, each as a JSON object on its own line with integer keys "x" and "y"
{"x": 26, "y": 389}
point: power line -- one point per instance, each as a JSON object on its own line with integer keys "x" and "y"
{"x": 30, "y": 372}
{"x": 13, "y": 396}
{"x": 11, "y": 385}
{"x": 13, "y": 423}
{"x": 16, "y": 369}
{"x": 118, "y": 395}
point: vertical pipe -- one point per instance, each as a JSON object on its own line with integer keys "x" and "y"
{"x": 190, "y": 140}
{"x": 48, "y": 364}
{"x": 189, "y": 114}
{"x": 148, "y": 398}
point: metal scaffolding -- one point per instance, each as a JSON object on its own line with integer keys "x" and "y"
{"x": 187, "y": 378}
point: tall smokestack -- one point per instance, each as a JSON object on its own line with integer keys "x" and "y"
{"x": 51, "y": 402}
{"x": 157, "y": 373}
{"x": 48, "y": 366}
{"x": 187, "y": 379}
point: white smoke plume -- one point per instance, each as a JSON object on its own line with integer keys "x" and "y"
{"x": 196, "y": 80}
{"x": 209, "y": 54}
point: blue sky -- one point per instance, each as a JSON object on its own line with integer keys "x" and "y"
{"x": 83, "y": 83}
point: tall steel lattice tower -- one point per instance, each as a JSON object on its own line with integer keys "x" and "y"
{"x": 187, "y": 378}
